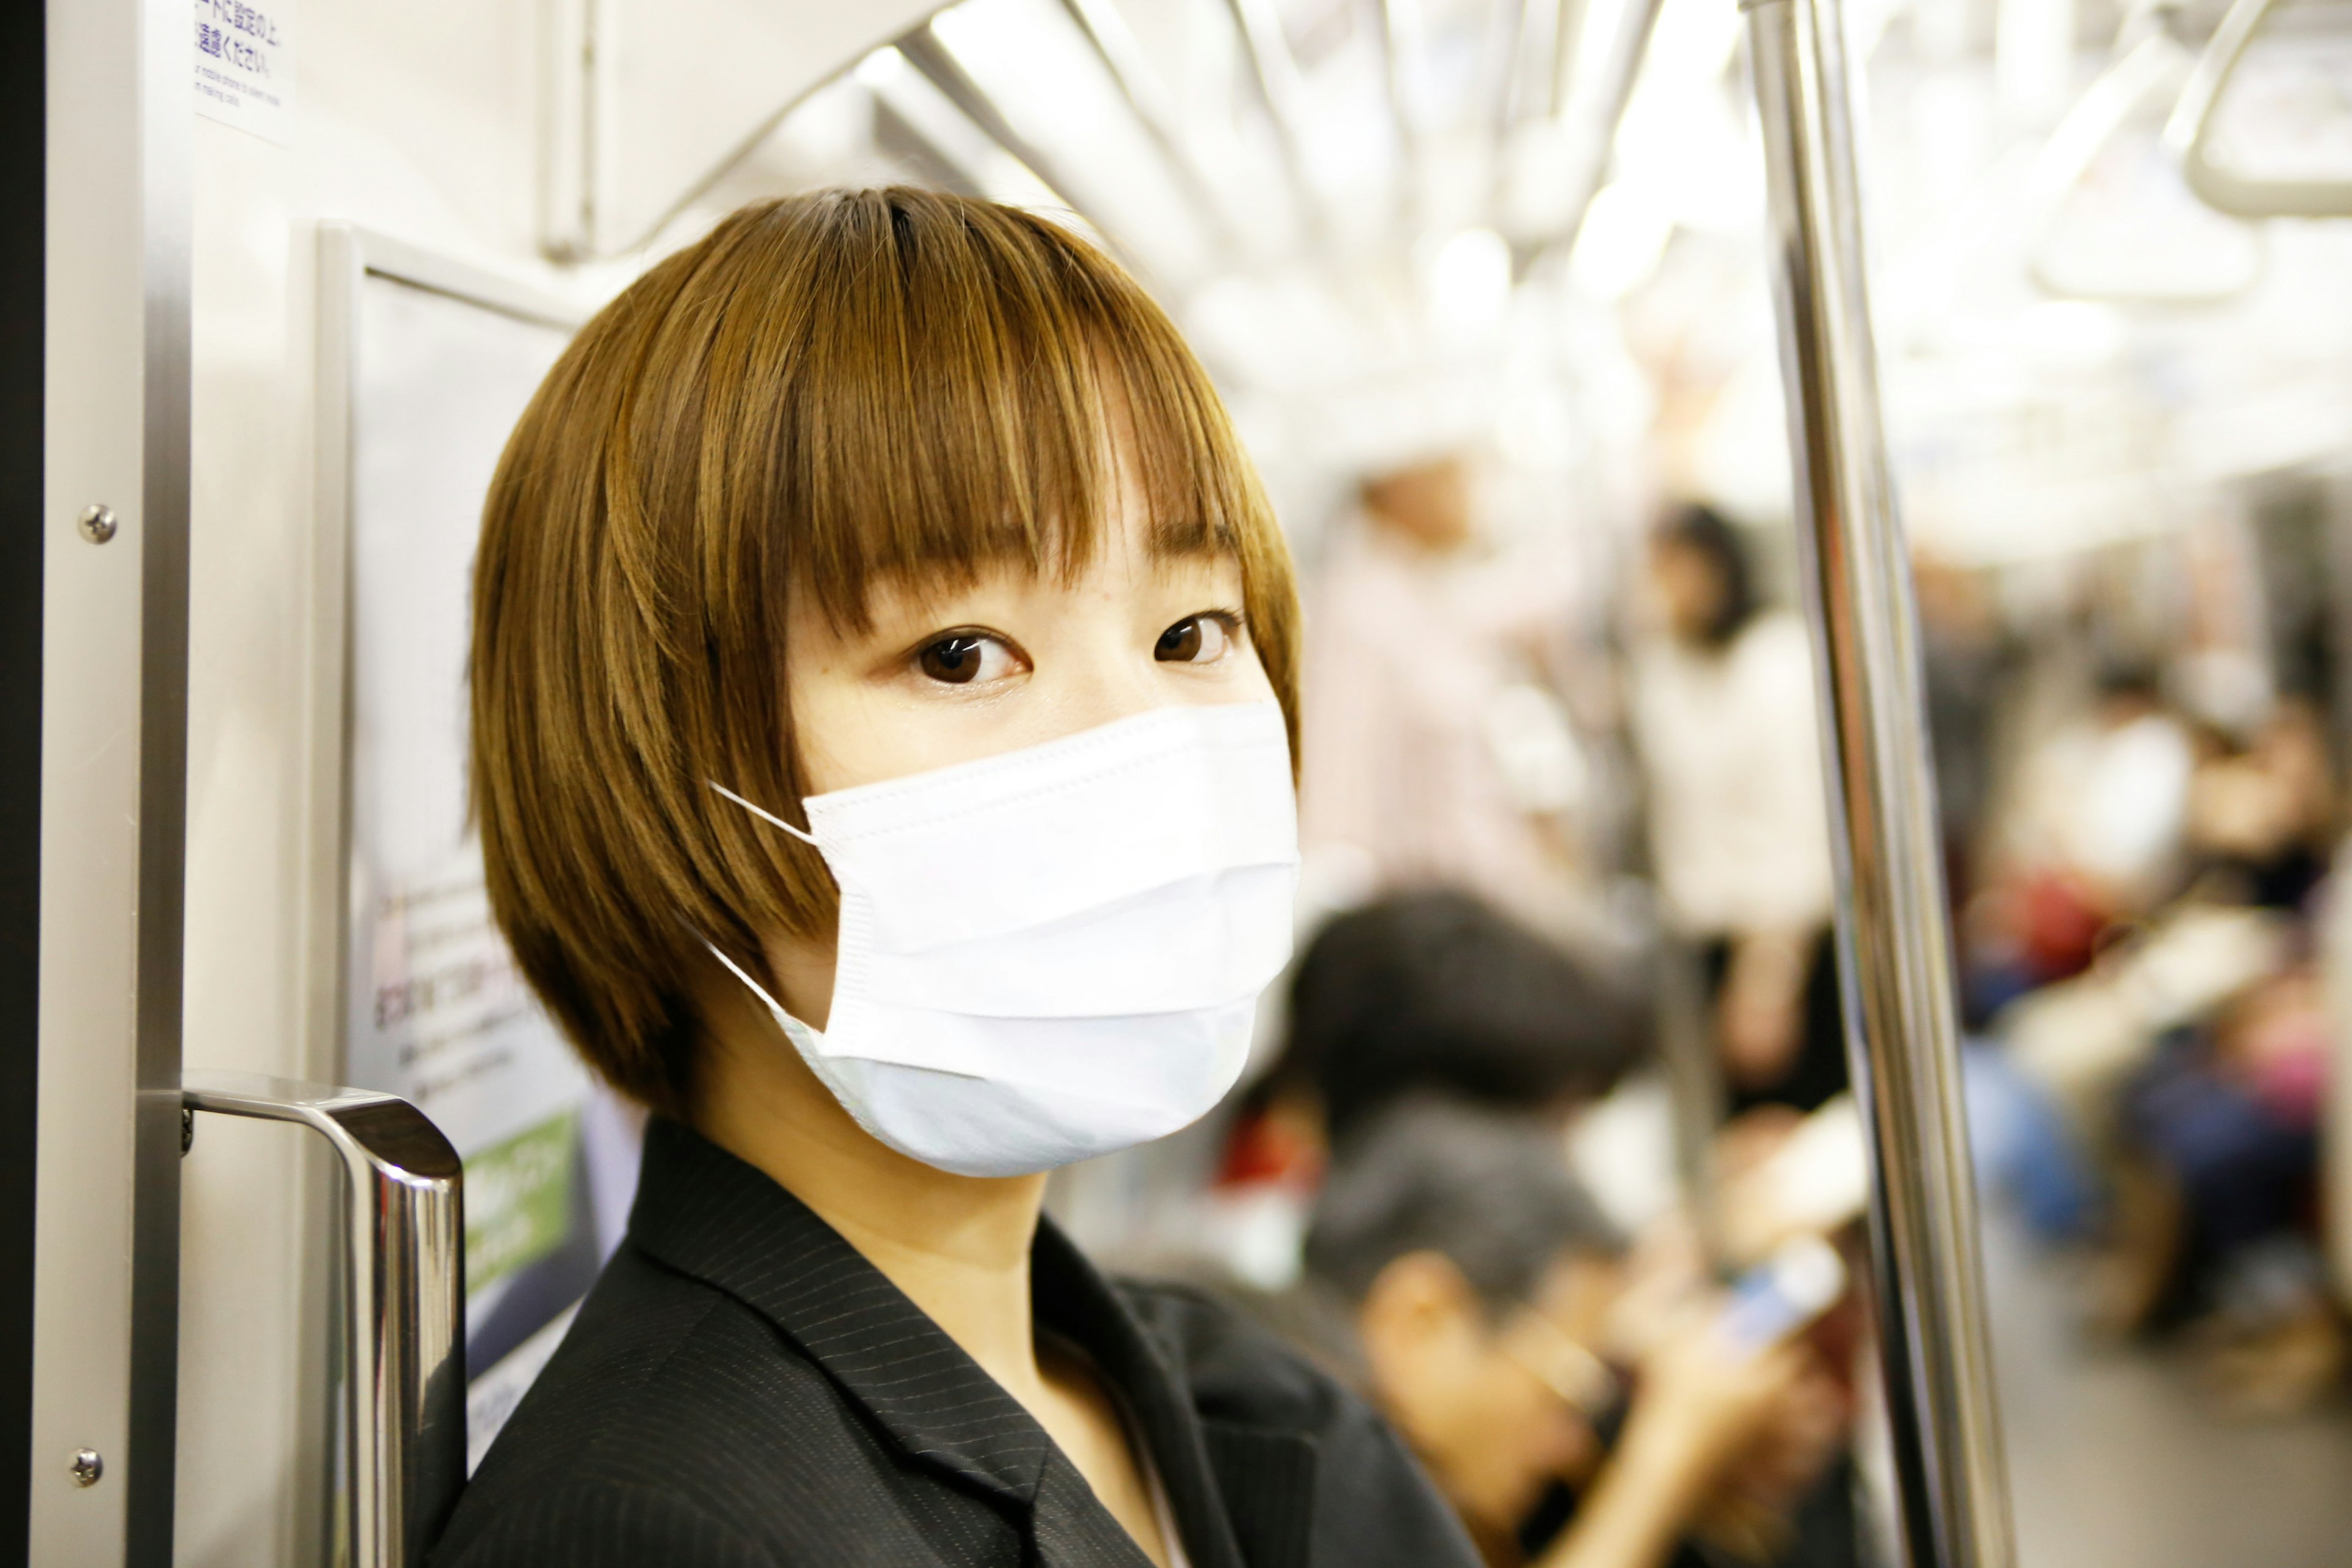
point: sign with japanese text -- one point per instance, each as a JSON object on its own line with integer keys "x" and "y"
{"x": 245, "y": 66}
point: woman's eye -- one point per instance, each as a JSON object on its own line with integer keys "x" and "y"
{"x": 961, "y": 659}
{"x": 1196, "y": 640}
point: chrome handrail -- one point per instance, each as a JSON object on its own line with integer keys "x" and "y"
{"x": 2190, "y": 128}
{"x": 1894, "y": 934}
{"x": 403, "y": 1298}
{"x": 2143, "y": 72}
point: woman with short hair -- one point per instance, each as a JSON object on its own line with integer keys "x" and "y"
{"x": 883, "y": 698}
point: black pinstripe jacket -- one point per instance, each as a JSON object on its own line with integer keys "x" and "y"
{"x": 742, "y": 1388}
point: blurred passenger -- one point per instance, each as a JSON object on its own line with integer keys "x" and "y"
{"x": 1437, "y": 990}
{"x": 2093, "y": 840}
{"x": 1724, "y": 715}
{"x": 2219, "y": 1193}
{"x": 1478, "y": 1284}
{"x": 1435, "y": 753}
{"x": 1969, "y": 660}
{"x": 2258, "y": 818}
{"x": 2106, "y": 805}
{"x": 1431, "y": 991}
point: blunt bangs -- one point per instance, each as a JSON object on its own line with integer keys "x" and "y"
{"x": 925, "y": 429}
{"x": 827, "y": 393}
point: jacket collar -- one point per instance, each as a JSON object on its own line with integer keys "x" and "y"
{"x": 1075, "y": 1301}
{"x": 704, "y": 1212}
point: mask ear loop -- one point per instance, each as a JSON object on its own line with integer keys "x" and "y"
{"x": 783, "y": 1014}
{"x": 763, "y": 812}
{"x": 739, "y": 972}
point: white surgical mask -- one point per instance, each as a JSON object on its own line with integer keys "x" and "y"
{"x": 1054, "y": 952}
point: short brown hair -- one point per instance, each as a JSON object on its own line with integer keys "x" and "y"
{"x": 829, "y": 390}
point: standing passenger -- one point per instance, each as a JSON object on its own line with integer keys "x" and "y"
{"x": 1435, "y": 754}
{"x": 882, "y": 689}
{"x": 1724, "y": 715}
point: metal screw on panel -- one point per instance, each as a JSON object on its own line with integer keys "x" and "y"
{"x": 97, "y": 525}
{"x": 87, "y": 1468}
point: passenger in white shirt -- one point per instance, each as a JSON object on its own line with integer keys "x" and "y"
{"x": 1723, "y": 709}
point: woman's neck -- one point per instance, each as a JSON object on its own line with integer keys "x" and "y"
{"x": 957, "y": 1245}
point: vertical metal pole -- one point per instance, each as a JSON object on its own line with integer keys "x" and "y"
{"x": 114, "y": 523}
{"x": 23, "y": 292}
{"x": 1893, "y": 938}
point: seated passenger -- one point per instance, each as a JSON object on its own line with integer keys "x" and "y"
{"x": 883, "y": 676}
{"x": 1436, "y": 991}
{"x": 2217, "y": 1186}
{"x": 1478, "y": 1284}
{"x": 1439, "y": 990}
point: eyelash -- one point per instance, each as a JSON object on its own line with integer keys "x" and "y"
{"x": 915, "y": 658}
{"x": 1235, "y": 622}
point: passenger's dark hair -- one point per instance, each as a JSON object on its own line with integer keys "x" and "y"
{"x": 2120, "y": 674}
{"x": 1488, "y": 1189}
{"x": 1698, "y": 527}
{"x": 1439, "y": 990}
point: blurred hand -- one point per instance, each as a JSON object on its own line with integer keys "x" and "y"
{"x": 1748, "y": 1512}
{"x": 1703, "y": 1405}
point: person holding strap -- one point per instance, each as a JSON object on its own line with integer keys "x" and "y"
{"x": 883, "y": 700}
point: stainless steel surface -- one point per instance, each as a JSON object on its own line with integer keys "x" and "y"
{"x": 96, "y": 524}
{"x": 403, "y": 1300}
{"x": 113, "y": 780}
{"x": 87, "y": 1467}
{"x": 1105, "y": 32}
{"x": 2189, "y": 131}
{"x": 1894, "y": 944}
